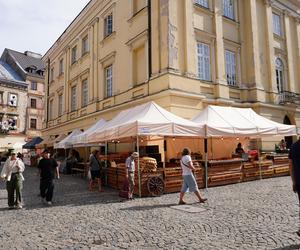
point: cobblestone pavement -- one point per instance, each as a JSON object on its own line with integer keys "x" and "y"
{"x": 254, "y": 215}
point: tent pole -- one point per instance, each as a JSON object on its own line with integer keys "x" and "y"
{"x": 259, "y": 160}
{"x": 206, "y": 163}
{"x": 139, "y": 171}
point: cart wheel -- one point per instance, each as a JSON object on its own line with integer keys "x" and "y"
{"x": 156, "y": 186}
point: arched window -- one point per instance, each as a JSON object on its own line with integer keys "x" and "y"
{"x": 279, "y": 75}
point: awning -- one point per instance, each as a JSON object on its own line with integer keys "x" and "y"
{"x": 31, "y": 144}
{"x": 67, "y": 142}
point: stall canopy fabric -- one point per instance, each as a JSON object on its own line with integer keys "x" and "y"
{"x": 144, "y": 120}
{"x": 31, "y": 144}
{"x": 43, "y": 143}
{"x": 67, "y": 142}
{"x": 82, "y": 139}
{"x": 233, "y": 122}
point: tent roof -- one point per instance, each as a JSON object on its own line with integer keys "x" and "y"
{"x": 146, "y": 119}
{"x": 82, "y": 138}
{"x": 31, "y": 144}
{"x": 43, "y": 143}
{"x": 228, "y": 121}
{"x": 67, "y": 142}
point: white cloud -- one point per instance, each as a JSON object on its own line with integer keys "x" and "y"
{"x": 34, "y": 24}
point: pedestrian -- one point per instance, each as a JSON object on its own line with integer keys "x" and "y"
{"x": 294, "y": 160}
{"x": 48, "y": 168}
{"x": 130, "y": 168}
{"x": 95, "y": 168}
{"x": 12, "y": 173}
{"x": 189, "y": 181}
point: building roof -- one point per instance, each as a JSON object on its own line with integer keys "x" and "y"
{"x": 7, "y": 72}
{"x": 27, "y": 59}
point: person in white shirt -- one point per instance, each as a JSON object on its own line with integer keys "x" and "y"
{"x": 189, "y": 181}
{"x": 12, "y": 173}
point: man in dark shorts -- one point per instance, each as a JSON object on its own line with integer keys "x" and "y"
{"x": 48, "y": 168}
{"x": 294, "y": 156}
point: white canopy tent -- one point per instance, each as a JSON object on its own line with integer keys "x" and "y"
{"x": 221, "y": 121}
{"x": 145, "y": 120}
{"x": 67, "y": 142}
{"x": 234, "y": 122}
{"x": 82, "y": 139}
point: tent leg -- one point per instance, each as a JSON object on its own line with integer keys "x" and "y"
{"x": 105, "y": 162}
{"x": 259, "y": 161}
{"x": 139, "y": 171}
{"x": 206, "y": 163}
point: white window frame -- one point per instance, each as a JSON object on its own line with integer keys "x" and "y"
{"x": 108, "y": 25}
{"x": 277, "y": 28}
{"x": 31, "y": 103}
{"x": 204, "y": 67}
{"x": 1, "y": 99}
{"x": 108, "y": 81}
{"x": 231, "y": 67}
{"x": 51, "y": 74}
{"x": 60, "y": 104}
{"x": 73, "y": 98}
{"x": 33, "y": 83}
{"x": 51, "y": 109}
{"x": 279, "y": 75}
{"x": 84, "y": 93}
{"x": 203, "y": 3}
{"x": 228, "y": 9}
{"x": 74, "y": 54}
{"x": 85, "y": 45}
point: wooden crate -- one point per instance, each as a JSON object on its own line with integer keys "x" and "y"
{"x": 224, "y": 179}
{"x": 281, "y": 170}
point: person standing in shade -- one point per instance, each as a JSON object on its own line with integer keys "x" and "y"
{"x": 294, "y": 164}
{"x": 48, "y": 168}
{"x": 189, "y": 181}
{"x": 12, "y": 173}
{"x": 130, "y": 168}
{"x": 95, "y": 168}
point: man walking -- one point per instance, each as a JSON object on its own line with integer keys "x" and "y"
{"x": 48, "y": 168}
{"x": 294, "y": 159}
{"x": 130, "y": 168}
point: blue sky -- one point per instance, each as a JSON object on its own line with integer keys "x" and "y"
{"x": 35, "y": 24}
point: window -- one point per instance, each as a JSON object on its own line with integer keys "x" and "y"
{"x": 85, "y": 94}
{"x": 51, "y": 109}
{"x": 61, "y": 66}
{"x": 33, "y": 85}
{"x": 51, "y": 74}
{"x": 109, "y": 81}
{"x": 108, "y": 25}
{"x": 1, "y": 99}
{"x": 231, "y": 68}
{"x": 203, "y": 61}
{"x": 279, "y": 75}
{"x": 277, "y": 24}
{"x": 85, "y": 45}
{"x": 33, "y": 123}
{"x": 12, "y": 100}
{"x": 60, "y": 104}
{"x": 73, "y": 98}
{"x": 33, "y": 103}
{"x": 203, "y": 3}
{"x": 228, "y": 8}
{"x": 74, "y": 55}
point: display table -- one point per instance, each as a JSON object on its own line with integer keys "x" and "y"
{"x": 280, "y": 163}
{"x": 81, "y": 168}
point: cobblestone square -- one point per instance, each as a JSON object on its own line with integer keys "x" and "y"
{"x": 253, "y": 215}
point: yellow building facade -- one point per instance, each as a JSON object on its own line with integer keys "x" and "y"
{"x": 182, "y": 54}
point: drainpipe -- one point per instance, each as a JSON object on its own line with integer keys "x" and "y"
{"x": 149, "y": 40}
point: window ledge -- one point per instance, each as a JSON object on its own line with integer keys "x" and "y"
{"x": 108, "y": 37}
{"x": 136, "y": 14}
{"x": 279, "y": 37}
{"x": 230, "y": 20}
{"x": 203, "y": 9}
{"x": 85, "y": 54}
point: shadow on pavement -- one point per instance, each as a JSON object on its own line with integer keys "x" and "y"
{"x": 291, "y": 247}
{"x": 143, "y": 208}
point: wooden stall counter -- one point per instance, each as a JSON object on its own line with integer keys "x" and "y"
{"x": 222, "y": 172}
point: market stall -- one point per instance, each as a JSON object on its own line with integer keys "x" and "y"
{"x": 221, "y": 122}
{"x": 138, "y": 125}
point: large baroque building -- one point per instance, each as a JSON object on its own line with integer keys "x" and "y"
{"x": 182, "y": 54}
{"x": 21, "y": 97}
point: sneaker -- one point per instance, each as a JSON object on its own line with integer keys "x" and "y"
{"x": 19, "y": 206}
{"x": 49, "y": 203}
{"x": 181, "y": 203}
{"x": 11, "y": 207}
{"x": 298, "y": 232}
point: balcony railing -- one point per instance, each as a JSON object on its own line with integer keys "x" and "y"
{"x": 288, "y": 97}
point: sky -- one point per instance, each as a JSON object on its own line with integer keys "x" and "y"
{"x": 35, "y": 25}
